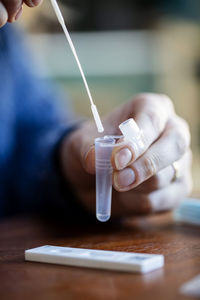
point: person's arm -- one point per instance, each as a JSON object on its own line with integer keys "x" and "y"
{"x": 35, "y": 179}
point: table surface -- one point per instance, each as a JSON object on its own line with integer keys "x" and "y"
{"x": 180, "y": 244}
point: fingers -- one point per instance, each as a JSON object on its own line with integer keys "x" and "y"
{"x": 11, "y": 10}
{"x": 83, "y": 146}
{"x": 149, "y": 110}
{"x": 151, "y": 113}
{"x": 131, "y": 203}
{"x": 3, "y": 15}
{"x": 171, "y": 146}
{"x": 165, "y": 177}
{"x": 158, "y": 181}
{"x": 170, "y": 197}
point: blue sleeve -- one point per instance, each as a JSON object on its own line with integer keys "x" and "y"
{"x": 41, "y": 122}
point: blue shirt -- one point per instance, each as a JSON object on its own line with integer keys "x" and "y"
{"x": 32, "y": 123}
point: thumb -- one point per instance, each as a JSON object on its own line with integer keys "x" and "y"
{"x": 89, "y": 160}
{"x": 84, "y": 146}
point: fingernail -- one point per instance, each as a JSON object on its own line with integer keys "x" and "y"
{"x": 124, "y": 178}
{"x": 18, "y": 14}
{"x": 122, "y": 158}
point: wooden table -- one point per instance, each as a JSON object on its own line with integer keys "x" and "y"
{"x": 159, "y": 234}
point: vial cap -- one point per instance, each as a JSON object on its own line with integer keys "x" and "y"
{"x": 129, "y": 129}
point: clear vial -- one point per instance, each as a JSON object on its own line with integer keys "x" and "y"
{"x": 103, "y": 151}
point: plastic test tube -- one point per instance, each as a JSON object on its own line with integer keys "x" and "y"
{"x": 103, "y": 151}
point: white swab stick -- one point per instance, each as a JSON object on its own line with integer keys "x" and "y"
{"x": 62, "y": 23}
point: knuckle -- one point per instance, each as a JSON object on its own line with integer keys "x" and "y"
{"x": 181, "y": 142}
{"x": 150, "y": 165}
{"x": 184, "y": 125}
{"x": 145, "y": 98}
{"x": 156, "y": 120}
{"x": 141, "y": 97}
{"x": 167, "y": 101}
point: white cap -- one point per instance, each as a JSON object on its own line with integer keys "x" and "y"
{"x": 129, "y": 129}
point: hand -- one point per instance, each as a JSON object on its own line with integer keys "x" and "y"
{"x": 11, "y": 10}
{"x": 142, "y": 175}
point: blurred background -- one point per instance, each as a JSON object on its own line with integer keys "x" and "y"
{"x": 125, "y": 47}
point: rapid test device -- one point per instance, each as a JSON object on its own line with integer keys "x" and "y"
{"x": 101, "y": 259}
